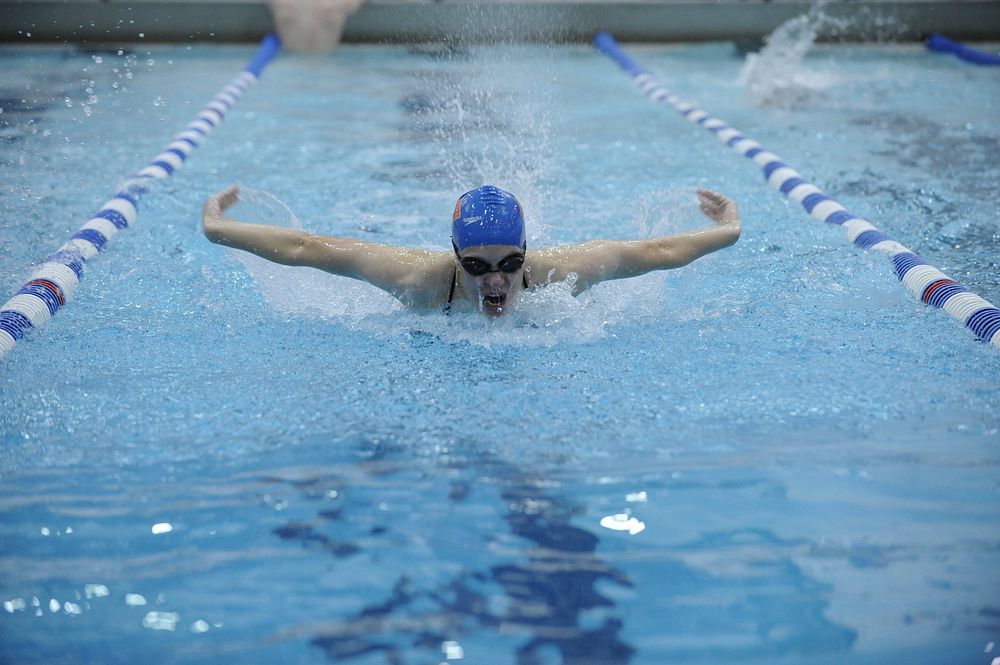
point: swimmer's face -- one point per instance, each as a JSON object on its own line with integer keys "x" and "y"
{"x": 492, "y": 276}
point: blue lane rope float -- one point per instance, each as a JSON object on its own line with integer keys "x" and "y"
{"x": 940, "y": 43}
{"x": 924, "y": 281}
{"x": 54, "y": 281}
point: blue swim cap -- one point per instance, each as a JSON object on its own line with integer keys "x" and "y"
{"x": 487, "y": 216}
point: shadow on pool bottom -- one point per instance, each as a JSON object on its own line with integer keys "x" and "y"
{"x": 545, "y": 590}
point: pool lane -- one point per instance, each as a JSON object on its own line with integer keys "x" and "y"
{"x": 54, "y": 282}
{"x": 925, "y": 282}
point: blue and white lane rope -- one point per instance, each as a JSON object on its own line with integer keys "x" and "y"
{"x": 924, "y": 281}
{"x": 54, "y": 281}
{"x": 940, "y": 43}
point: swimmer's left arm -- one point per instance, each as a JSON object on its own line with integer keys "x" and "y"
{"x": 602, "y": 260}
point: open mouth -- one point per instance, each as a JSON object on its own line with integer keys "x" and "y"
{"x": 494, "y": 301}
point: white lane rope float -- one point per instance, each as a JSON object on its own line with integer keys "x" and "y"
{"x": 55, "y": 280}
{"x": 924, "y": 281}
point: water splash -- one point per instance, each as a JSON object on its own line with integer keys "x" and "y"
{"x": 491, "y": 124}
{"x": 778, "y": 75}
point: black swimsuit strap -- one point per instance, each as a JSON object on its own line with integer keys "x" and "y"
{"x": 451, "y": 291}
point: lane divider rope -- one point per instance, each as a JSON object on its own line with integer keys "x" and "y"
{"x": 924, "y": 281}
{"x": 54, "y": 281}
{"x": 941, "y": 44}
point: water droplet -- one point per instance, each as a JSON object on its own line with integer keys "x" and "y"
{"x": 161, "y": 620}
{"x": 95, "y": 590}
{"x": 452, "y": 650}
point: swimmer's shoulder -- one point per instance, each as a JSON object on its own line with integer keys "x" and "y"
{"x": 429, "y": 277}
{"x": 555, "y": 264}
{"x": 548, "y": 264}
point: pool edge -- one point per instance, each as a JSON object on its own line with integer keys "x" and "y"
{"x": 98, "y": 22}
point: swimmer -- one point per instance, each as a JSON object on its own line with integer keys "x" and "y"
{"x": 490, "y": 264}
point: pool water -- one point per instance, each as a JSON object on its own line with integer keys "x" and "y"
{"x": 773, "y": 455}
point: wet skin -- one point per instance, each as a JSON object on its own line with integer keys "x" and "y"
{"x": 495, "y": 292}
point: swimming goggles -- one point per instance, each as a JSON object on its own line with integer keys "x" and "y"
{"x": 477, "y": 266}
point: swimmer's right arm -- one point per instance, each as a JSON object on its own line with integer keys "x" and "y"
{"x": 413, "y": 276}
{"x": 270, "y": 242}
{"x": 290, "y": 247}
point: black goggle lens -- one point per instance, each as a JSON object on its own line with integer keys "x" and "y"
{"x": 475, "y": 266}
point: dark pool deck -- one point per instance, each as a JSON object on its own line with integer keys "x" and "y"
{"x": 99, "y": 22}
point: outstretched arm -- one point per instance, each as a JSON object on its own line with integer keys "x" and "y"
{"x": 602, "y": 260}
{"x": 414, "y": 276}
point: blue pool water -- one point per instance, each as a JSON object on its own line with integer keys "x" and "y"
{"x": 774, "y": 455}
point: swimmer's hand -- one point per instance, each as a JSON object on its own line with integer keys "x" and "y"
{"x": 211, "y": 214}
{"x": 718, "y": 207}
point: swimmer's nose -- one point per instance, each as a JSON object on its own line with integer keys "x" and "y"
{"x": 495, "y": 280}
